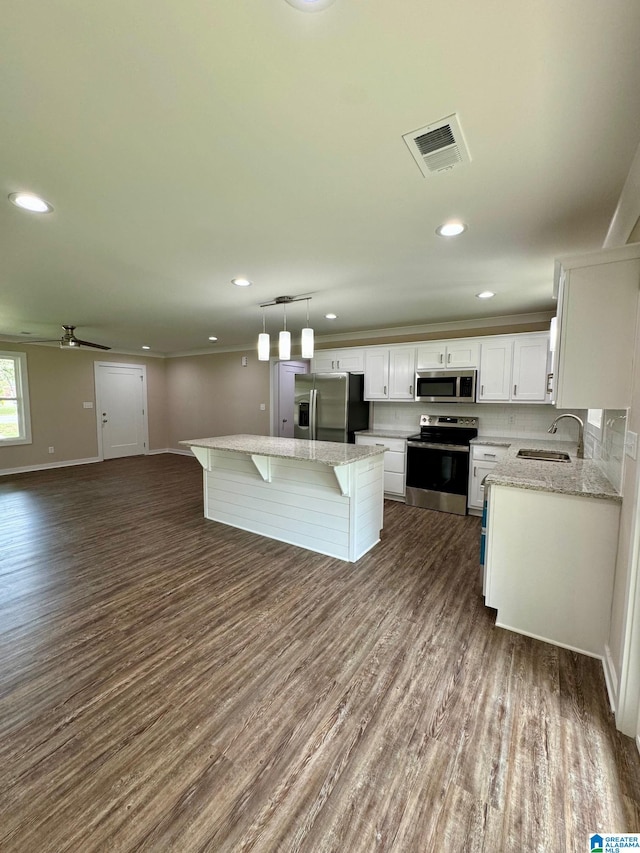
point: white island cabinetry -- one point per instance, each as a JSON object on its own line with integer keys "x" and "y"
{"x": 320, "y": 495}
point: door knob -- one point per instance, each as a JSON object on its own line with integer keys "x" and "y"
{"x": 284, "y": 420}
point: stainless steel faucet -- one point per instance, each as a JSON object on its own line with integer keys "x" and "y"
{"x": 554, "y": 428}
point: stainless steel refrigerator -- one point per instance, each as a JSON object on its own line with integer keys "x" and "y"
{"x": 329, "y": 406}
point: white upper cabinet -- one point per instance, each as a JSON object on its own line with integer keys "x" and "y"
{"x": 402, "y": 373}
{"x": 334, "y": 360}
{"x": 513, "y": 369}
{"x": 389, "y": 373}
{"x": 597, "y": 308}
{"x": 464, "y": 352}
{"x": 529, "y": 379}
{"x": 494, "y": 381}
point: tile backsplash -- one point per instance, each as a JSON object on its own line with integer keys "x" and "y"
{"x": 522, "y": 421}
{"x": 605, "y": 443}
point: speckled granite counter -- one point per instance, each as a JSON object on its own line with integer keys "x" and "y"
{"x": 320, "y": 495}
{"x": 581, "y": 477}
{"x": 388, "y": 433}
{"x": 322, "y": 452}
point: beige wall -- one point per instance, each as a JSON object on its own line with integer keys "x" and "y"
{"x": 215, "y": 395}
{"x": 59, "y": 382}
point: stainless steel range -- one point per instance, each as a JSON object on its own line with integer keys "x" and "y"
{"x": 438, "y": 463}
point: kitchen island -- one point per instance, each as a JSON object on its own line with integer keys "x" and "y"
{"x": 320, "y": 495}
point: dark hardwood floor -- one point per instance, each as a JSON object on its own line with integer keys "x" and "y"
{"x": 171, "y": 684}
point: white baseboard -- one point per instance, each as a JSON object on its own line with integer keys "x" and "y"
{"x": 586, "y": 652}
{"x": 610, "y": 677}
{"x": 180, "y": 451}
{"x": 44, "y": 467}
{"x": 160, "y": 450}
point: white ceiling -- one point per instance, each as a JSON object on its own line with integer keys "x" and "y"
{"x": 182, "y": 144}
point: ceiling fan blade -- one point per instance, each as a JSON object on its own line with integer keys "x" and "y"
{"x": 89, "y": 344}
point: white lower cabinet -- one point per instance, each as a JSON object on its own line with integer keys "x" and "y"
{"x": 395, "y": 462}
{"x": 484, "y": 458}
{"x": 550, "y": 564}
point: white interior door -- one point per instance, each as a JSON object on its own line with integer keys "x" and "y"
{"x": 287, "y": 371}
{"x": 121, "y": 408}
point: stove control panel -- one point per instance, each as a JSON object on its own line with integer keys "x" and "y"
{"x": 448, "y": 420}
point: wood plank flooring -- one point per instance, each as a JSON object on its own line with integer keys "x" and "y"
{"x": 171, "y": 684}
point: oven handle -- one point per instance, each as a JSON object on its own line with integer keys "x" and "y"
{"x": 427, "y": 445}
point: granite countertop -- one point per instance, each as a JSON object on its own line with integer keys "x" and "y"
{"x": 385, "y": 432}
{"x": 498, "y": 440}
{"x": 330, "y": 453}
{"x": 582, "y": 477}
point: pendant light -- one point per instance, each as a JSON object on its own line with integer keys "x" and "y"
{"x": 284, "y": 339}
{"x": 264, "y": 344}
{"x": 307, "y": 338}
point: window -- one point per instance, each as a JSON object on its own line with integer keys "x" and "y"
{"x": 15, "y": 423}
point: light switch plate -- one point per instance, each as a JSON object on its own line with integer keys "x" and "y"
{"x": 631, "y": 444}
{"x": 87, "y": 405}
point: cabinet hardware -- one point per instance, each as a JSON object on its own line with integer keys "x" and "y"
{"x": 384, "y": 390}
{"x": 333, "y": 365}
{"x": 411, "y": 390}
{"x": 475, "y": 471}
{"x": 448, "y": 358}
{"x": 549, "y": 381}
{"x": 490, "y": 454}
{"x": 482, "y": 390}
{"x": 515, "y": 390}
{"x": 441, "y": 357}
{"x": 338, "y": 364}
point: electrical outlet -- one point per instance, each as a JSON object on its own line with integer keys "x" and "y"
{"x": 512, "y": 419}
{"x": 52, "y": 450}
{"x": 87, "y": 405}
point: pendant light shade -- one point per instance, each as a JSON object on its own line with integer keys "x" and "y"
{"x": 307, "y": 338}
{"x": 264, "y": 347}
{"x": 307, "y": 343}
{"x": 284, "y": 346}
{"x": 264, "y": 344}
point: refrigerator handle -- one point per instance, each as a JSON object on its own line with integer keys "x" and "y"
{"x": 313, "y": 419}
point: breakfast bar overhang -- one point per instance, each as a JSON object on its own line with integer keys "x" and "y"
{"x": 320, "y": 495}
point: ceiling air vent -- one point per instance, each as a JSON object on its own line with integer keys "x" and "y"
{"x": 438, "y": 147}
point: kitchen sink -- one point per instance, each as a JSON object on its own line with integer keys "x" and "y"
{"x": 545, "y": 455}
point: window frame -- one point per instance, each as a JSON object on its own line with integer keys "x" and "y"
{"x": 22, "y": 398}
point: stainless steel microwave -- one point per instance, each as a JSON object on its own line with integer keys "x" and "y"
{"x": 446, "y": 386}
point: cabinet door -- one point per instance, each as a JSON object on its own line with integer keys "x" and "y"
{"x": 495, "y": 370}
{"x": 401, "y": 373}
{"x": 430, "y": 356}
{"x": 350, "y": 360}
{"x": 376, "y": 374}
{"x": 463, "y": 353}
{"x": 478, "y": 471}
{"x": 530, "y": 369}
{"x": 324, "y": 361}
{"x": 597, "y": 307}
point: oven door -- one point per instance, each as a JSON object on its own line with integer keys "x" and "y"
{"x": 438, "y": 476}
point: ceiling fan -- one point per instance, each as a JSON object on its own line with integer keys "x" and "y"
{"x": 69, "y": 340}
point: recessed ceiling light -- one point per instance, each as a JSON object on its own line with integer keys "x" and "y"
{"x": 331, "y": 316}
{"x": 450, "y": 229}
{"x": 310, "y": 5}
{"x": 486, "y": 294}
{"x": 144, "y": 346}
{"x": 29, "y": 201}
{"x": 212, "y": 338}
{"x": 241, "y": 282}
